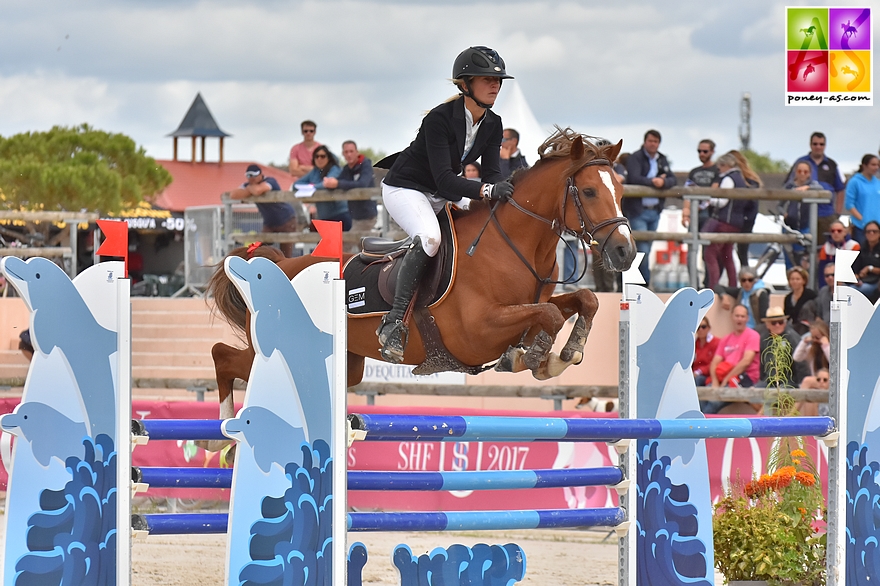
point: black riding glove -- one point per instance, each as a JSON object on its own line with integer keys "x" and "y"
{"x": 500, "y": 191}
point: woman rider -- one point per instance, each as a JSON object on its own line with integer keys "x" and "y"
{"x": 425, "y": 176}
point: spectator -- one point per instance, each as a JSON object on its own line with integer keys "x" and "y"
{"x": 838, "y": 239}
{"x": 776, "y": 324}
{"x": 301, "y": 153}
{"x": 736, "y": 362}
{"x": 753, "y": 294}
{"x": 703, "y": 176}
{"x": 705, "y": 346}
{"x": 815, "y": 349}
{"x": 753, "y": 180}
{"x": 324, "y": 165}
{"x": 797, "y": 216}
{"x": 729, "y": 217}
{"x": 277, "y": 216}
{"x": 511, "y": 157}
{"x": 647, "y": 166}
{"x": 620, "y": 167}
{"x": 821, "y": 306}
{"x": 797, "y": 298}
{"x": 867, "y": 264}
{"x": 821, "y": 381}
{"x": 825, "y": 171}
{"x": 473, "y": 171}
{"x": 863, "y": 196}
{"x": 357, "y": 173}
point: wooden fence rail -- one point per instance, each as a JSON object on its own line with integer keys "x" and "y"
{"x": 557, "y": 393}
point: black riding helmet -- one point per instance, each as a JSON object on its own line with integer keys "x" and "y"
{"x": 478, "y": 61}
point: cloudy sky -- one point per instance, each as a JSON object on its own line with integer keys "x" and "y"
{"x": 369, "y": 70}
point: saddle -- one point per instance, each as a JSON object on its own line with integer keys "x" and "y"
{"x": 370, "y": 278}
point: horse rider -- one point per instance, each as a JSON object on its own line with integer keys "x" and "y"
{"x": 427, "y": 175}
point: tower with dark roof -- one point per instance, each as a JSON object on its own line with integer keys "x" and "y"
{"x": 199, "y": 122}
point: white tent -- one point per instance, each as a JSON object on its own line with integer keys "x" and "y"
{"x": 516, "y": 113}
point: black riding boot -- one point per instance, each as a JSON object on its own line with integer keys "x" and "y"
{"x": 392, "y": 331}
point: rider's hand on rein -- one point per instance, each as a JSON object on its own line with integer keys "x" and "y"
{"x": 500, "y": 191}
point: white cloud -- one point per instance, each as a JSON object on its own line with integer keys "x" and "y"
{"x": 369, "y": 70}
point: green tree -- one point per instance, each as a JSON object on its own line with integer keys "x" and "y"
{"x": 763, "y": 163}
{"x": 74, "y": 169}
{"x": 374, "y": 156}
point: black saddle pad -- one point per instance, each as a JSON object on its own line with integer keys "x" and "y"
{"x": 370, "y": 279}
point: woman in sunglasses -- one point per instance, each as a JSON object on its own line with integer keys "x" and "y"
{"x": 867, "y": 264}
{"x": 324, "y": 164}
{"x": 752, "y": 292}
{"x": 705, "y": 346}
{"x": 427, "y": 175}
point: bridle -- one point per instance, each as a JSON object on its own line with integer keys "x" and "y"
{"x": 585, "y": 235}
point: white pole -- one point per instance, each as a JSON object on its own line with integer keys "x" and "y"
{"x": 340, "y": 434}
{"x": 123, "y": 432}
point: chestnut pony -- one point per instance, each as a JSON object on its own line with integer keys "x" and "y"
{"x": 501, "y": 305}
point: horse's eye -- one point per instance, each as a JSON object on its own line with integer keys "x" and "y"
{"x": 589, "y": 192}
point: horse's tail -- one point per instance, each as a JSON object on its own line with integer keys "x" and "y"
{"x": 227, "y": 300}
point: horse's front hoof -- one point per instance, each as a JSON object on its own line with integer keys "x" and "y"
{"x": 573, "y": 351}
{"x": 538, "y": 351}
{"x": 506, "y": 362}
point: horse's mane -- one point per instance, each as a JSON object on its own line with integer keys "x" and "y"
{"x": 558, "y": 146}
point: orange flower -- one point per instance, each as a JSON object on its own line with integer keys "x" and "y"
{"x": 796, "y": 462}
{"x": 798, "y": 454}
{"x": 806, "y": 478}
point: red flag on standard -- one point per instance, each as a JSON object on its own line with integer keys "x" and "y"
{"x": 331, "y": 240}
{"x": 115, "y": 240}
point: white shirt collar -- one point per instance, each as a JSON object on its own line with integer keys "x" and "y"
{"x": 471, "y": 130}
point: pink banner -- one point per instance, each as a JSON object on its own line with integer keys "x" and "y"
{"x": 727, "y": 457}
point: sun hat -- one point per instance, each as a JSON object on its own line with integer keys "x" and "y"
{"x": 774, "y": 312}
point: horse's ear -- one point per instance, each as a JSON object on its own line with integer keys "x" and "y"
{"x": 615, "y": 150}
{"x": 577, "y": 149}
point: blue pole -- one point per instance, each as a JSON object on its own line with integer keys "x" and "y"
{"x": 183, "y": 429}
{"x": 477, "y": 428}
{"x": 181, "y": 524}
{"x": 485, "y": 520}
{"x": 484, "y": 480}
{"x": 184, "y": 477}
{"x": 417, "y": 521}
{"x": 457, "y": 428}
{"x": 380, "y": 480}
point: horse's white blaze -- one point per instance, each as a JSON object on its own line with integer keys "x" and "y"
{"x": 606, "y": 179}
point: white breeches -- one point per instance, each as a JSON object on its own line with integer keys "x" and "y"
{"x": 416, "y": 212}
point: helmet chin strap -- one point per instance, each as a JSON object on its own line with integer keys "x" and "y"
{"x": 470, "y": 93}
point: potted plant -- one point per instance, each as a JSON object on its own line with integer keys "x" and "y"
{"x": 766, "y": 529}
